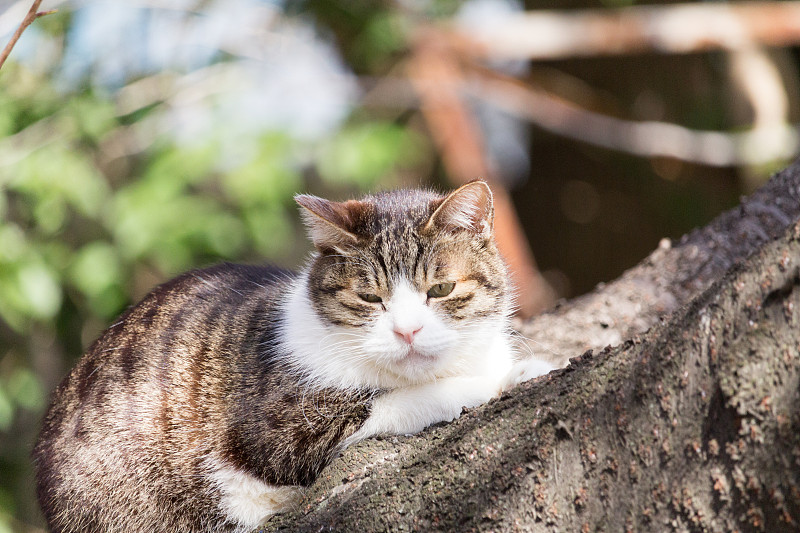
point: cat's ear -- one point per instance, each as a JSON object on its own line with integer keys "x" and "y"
{"x": 470, "y": 207}
{"x": 329, "y": 223}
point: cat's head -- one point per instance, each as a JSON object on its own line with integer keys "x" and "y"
{"x": 408, "y": 284}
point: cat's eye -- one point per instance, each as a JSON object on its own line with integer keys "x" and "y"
{"x": 369, "y": 297}
{"x": 441, "y": 289}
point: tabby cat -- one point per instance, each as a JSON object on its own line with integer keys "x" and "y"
{"x": 212, "y": 402}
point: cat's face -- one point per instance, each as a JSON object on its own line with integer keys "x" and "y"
{"x": 408, "y": 283}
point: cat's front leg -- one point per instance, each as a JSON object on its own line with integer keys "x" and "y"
{"x": 409, "y": 410}
{"x": 526, "y": 369}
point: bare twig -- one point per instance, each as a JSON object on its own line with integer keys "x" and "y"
{"x": 33, "y": 14}
{"x": 674, "y": 29}
{"x": 766, "y": 143}
{"x": 437, "y": 77}
{"x": 754, "y": 71}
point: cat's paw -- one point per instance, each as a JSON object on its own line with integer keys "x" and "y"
{"x": 526, "y": 369}
{"x": 412, "y": 409}
{"x": 472, "y": 392}
{"x": 466, "y": 393}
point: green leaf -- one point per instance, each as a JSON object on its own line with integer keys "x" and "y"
{"x": 225, "y": 235}
{"x": 40, "y": 289}
{"x": 7, "y": 116}
{"x": 58, "y": 173}
{"x": 384, "y": 35}
{"x": 270, "y": 230}
{"x": 12, "y": 243}
{"x": 6, "y": 409}
{"x": 175, "y": 167}
{"x": 95, "y": 268}
{"x": 364, "y": 154}
{"x": 25, "y": 389}
{"x": 5, "y": 525}
{"x": 50, "y": 213}
{"x": 268, "y": 179}
{"x": 94, "y": 116}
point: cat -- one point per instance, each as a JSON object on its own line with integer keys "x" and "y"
{"x": 212, "y": 402}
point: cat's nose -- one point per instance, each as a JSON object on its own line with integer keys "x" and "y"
{"x": 407, "y": 333}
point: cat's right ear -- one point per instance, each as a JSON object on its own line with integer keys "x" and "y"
{"x": 470, "y": 208}
{"x": 329, "y": 223}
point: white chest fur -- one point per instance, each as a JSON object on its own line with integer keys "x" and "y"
{"x": 470, "y": 366}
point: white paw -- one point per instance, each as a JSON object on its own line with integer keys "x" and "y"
{"x": 247, "y": 500}
{"x": 527, "y": 369}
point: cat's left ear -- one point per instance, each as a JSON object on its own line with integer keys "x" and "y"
{"x": 470, "y": 207}
{"x": 330, "y": 224}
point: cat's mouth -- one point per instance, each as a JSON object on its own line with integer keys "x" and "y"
{"x": 416, "y": 357}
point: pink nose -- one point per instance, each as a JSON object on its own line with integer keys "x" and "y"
{"x": 407, "y": 334}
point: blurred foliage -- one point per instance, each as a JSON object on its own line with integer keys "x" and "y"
{"x": 91, "y": 217}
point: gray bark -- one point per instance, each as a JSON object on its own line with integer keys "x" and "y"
{"x": 690, "y": 423}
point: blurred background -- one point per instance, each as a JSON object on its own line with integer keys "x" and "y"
{"x": 142, "y": 138}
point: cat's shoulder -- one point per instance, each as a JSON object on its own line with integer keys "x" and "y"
{"x": 233, "y": 277}
{"x": 222, "y": 286}
{"x": 236, "y": 273}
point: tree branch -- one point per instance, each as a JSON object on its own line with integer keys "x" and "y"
{"x": 32, "y": 15}
{"x": 764, "y": 143}
{"x": 675, "y": 29}
{"x": 436, "y": 75}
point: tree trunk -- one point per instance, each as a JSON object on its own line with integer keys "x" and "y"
{"x": 693, "y": 425}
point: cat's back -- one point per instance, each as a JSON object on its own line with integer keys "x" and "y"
{"x": 184, "y": 330}
{"x": 148, "y": 397}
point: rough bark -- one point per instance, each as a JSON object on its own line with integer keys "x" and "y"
{"x": 693, "y": 425}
